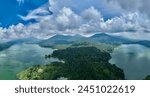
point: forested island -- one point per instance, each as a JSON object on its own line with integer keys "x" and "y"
{"x": 82, "y": 63}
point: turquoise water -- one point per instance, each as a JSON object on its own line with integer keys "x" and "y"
{"x": 20, "y": 57}
{"x": 133, "y": 59}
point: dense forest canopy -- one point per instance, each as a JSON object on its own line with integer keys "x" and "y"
{"x": 83, "y": 63}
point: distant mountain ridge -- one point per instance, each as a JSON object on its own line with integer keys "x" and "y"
{"x": 30, "y": 40}
{"x": 96, "y": 38}
{"x": 61, "y": 39}
{"x": 74, "y": 40}
{"x": 67, "y": 39}
{"x": 105, "y": 38}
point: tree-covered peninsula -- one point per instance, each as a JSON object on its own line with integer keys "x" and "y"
{"x": 83, "y": 63}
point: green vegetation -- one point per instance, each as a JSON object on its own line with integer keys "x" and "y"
{"x": 83, "y": 63}
{"x": 147, "y": 77}
{"x": 101, "y": 46}
{"x": 38, "y": 72}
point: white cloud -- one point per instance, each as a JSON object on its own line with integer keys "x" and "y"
{"x": 79, "y": 6}
{"x": 141, "y": 6}
{"x": 67, "y": 19}
{"x": 131, "y": 22}
{"x": 91, "y": 14}
{"x": 38, "y": 13}
{"x": 70, "y": 18}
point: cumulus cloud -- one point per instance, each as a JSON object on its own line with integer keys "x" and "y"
{"x": 78, "y": 6}
{"x": 86, "y": 17}
{"x": 67, "y": 19}
{"x": 131, "y": 22}
{"x": 91, "y": 14}
{"x": 141, "y": 6}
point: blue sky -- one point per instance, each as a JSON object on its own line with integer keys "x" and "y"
{"x": 10, "y": 9}
{"x": 26, "y": 18}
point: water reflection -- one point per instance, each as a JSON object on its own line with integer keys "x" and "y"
{"x": 133, "y": 59}
{"x": 20, "y": 57}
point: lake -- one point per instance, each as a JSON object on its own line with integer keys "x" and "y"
{"x": 20, "y": 57}
{"x": 134, "y": 59}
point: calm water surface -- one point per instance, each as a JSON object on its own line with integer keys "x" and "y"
{"x": 133, "y": 59}
{"x": 20, "y": 57}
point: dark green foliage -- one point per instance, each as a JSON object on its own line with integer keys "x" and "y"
{"x": 88, "y": 63}
{"x": 147, "y": 77}
{"x": 43, "y": 72}
{"x": 84, "y": 63}
{"x": 82, "y": 54}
